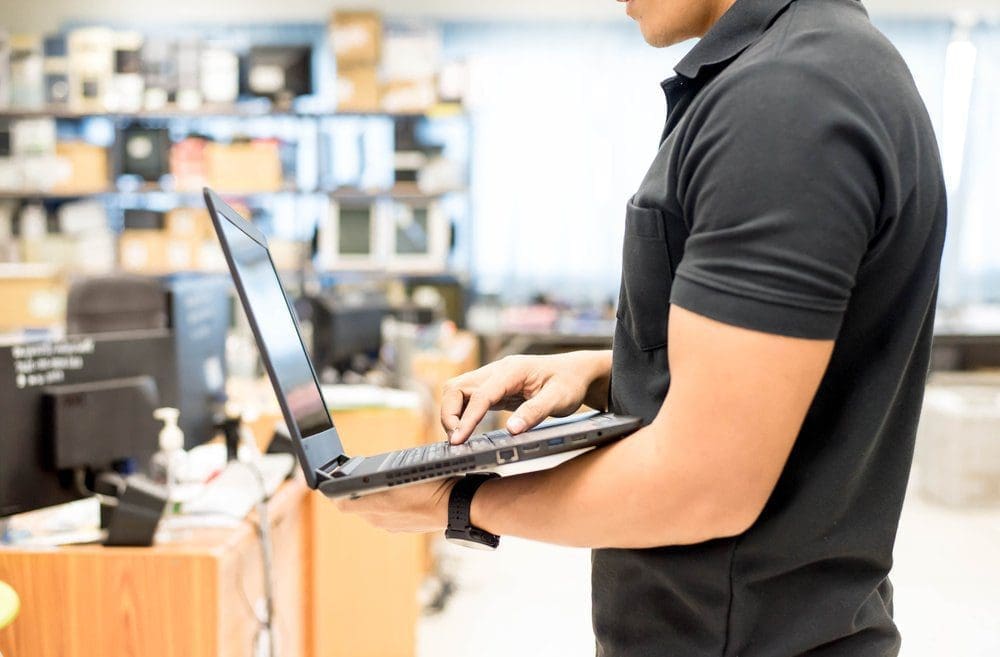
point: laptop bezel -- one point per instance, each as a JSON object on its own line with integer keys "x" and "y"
{"x": 320, "y": 451}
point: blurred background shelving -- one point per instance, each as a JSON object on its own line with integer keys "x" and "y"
{"x": 346, "y": 143}
{"x": 421, "y": 168}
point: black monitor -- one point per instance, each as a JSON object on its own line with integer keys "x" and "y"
{"x": 100, "y": 424}
{"x": 280, "y": 72}
{"x": 85, "y": 402}
{"x": 342, "y": 331}
{"x": 79, "y": 403}
{"x": 195, "y": 308}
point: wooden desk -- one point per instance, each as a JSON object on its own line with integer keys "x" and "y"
{"x": 189, "y": 598}
{"x": 365, "y": 581}
{"x": 361, "y": 593}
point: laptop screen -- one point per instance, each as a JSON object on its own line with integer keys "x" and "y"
{"x": 278, "y": 333}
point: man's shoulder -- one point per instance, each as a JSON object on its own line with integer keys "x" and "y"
{"x": 837, "y": 34}
{"x": 825, "y": 47}
{"x": 821, "y": 62}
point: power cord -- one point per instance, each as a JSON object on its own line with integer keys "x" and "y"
{"x": 267, "y": 555}
{"x": 262, "y": 526}
{"x": 80, "y": 480}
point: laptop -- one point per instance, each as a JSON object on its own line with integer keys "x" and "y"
{"x": 317, "y": 444}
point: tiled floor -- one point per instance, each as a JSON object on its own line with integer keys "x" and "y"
{"x": 532, "y": 600}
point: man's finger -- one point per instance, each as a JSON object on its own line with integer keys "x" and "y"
{"x": 533, "y": 411}
{"x": 479, "y": 403}
{"x": 452, "y": 404}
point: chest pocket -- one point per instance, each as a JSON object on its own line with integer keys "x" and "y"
{"x": 647, "y": 276}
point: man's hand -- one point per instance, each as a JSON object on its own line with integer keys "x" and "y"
{"x": 534, "y": 387}
{"x": 417, "y": 508}
{"x": 703, "y": 469}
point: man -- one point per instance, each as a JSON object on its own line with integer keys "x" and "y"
{"x": 778, "y": 289}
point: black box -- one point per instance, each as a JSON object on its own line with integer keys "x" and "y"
{"x": 145, "y": 152}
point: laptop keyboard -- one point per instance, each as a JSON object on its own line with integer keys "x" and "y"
{"x": 427, "y": 453}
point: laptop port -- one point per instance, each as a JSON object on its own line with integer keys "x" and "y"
{"x": 580, "y": 438}
{"x": 507, "y": 456}
{"x": 528, "y": 449}
{"x": 555, "y": 442}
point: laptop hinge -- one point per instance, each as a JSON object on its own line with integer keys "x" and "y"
{"x": 341, "y": 466}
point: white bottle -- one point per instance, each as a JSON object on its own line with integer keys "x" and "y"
{"x": 168, "y": 464}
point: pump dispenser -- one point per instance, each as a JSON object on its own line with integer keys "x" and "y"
{"x": 168, "y": 463}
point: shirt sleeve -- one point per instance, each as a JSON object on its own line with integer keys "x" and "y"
{"x": 779, "y": 187}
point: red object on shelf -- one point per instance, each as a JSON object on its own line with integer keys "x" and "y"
{"x": 187, "y": 164}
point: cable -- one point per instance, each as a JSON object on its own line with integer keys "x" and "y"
{"x": 80, "y": 479}
{"x": 263, "y": 527}
{"x": 267, "y": 554}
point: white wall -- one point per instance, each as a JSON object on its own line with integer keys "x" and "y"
{"x": 39, "y": 15}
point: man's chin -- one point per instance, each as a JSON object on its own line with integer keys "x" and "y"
{"x": 658, "y": 39}
{"x": 665, "y": 41}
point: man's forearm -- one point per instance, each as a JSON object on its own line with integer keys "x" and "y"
{"x": 639, "y": 492}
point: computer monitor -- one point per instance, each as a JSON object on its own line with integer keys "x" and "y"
{"x": 85, "y": 401}
{"x": 350, "y": 238}
{"x": 418, "y": 237}
{"x": 53, "y": 391}
{"x": 280, "y": 72}
{"x": 341, "y": 331}
{"x": 195, "y": 308}
{"x": 96, "y": 425}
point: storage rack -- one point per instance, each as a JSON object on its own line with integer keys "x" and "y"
{"x": 117, "y": 198}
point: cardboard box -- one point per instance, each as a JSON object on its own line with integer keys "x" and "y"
{"x": 411, "y": 52}
{"x": 81, "y": 254}
{"x": 358, "y": 89}
{"x": 409, "y": 95}
{"x": 244, "y": 168}
{"x": 91, "y": 68}
{"x": 27, "y": 72}
{"x": 55, "y": 250}
{"x": 356, "y": 38}
{"x": 220, "y": 76}
{"x": 128, "y": 85}
{"x": 155, "y": 252}
{"x": 33, "y": 137}
{"x": 88, "y": 165}
{"x": 31, "y": 296}
{"x": 189, "y": 224}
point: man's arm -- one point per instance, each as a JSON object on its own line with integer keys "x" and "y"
{"x": 703, "y": 469}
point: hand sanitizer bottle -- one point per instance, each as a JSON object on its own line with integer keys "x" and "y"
{"x": 168, "y": 463}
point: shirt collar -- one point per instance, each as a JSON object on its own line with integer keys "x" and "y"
{"x": 743, "y": 24}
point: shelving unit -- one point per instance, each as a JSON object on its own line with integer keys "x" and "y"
{"x": 398, "y": 193}
{"x": 123, "y": 194}
{"x": 248, "y": 111}
{"x": 317, "y": 163}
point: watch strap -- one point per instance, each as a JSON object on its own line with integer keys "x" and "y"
{"x": 460, "y": 527}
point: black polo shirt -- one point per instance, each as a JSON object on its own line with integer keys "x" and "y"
{"x": 797, "y": 191}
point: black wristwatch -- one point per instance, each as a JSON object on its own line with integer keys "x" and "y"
{"x": 460, "y": 530}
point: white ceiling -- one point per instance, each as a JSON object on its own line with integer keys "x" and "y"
{"x": 18, "y": 15}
